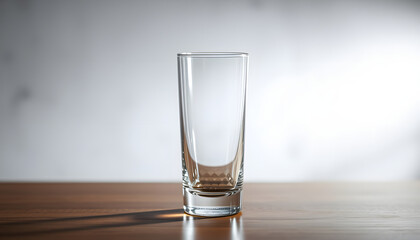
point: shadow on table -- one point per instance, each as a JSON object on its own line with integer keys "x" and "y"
{"x": 58, "y": 225}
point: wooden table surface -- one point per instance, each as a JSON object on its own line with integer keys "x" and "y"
{"x": 154, "y": 211}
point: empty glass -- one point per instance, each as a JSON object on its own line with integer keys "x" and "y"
{"x": 212, "y": 93}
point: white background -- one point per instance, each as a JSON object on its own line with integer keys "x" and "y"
{"x": 88, "y": 89}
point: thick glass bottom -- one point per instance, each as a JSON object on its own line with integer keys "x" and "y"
{"x": 211, "y": 204}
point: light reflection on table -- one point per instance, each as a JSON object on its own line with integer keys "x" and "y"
{"x": 212, "y": 228}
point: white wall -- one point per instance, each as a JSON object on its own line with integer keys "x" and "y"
{"x": 88, "y": 89}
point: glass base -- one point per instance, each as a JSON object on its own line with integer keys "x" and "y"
{"x": 211, "y": 204}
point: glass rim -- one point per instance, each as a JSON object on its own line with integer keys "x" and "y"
{"x": 213, "y": 54}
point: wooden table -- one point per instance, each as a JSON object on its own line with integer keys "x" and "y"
{"x": 154, "y": 211}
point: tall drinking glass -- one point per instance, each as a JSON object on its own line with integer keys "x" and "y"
{"x": 212, "y": 93}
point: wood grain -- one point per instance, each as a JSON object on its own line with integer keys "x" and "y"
{"x": 154, "y": 211}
